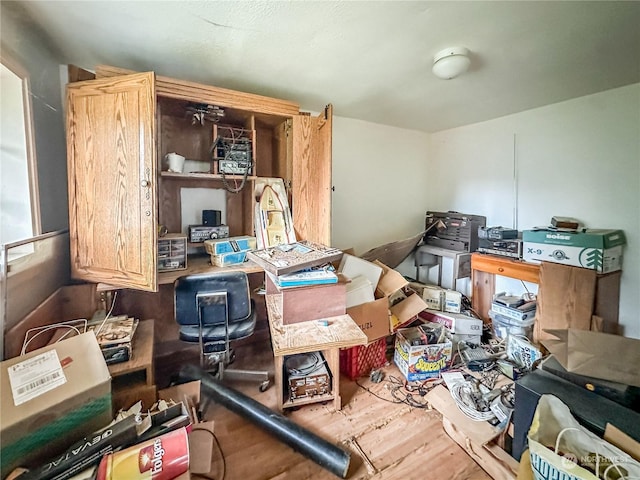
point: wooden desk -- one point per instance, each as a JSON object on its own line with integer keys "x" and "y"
{"x": 311, "y": 336}
{"x": 202, "y": 264}
{"x": 485, "y": 267}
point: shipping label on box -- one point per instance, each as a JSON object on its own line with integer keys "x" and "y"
{"x": 420, "y": 362}
{"x": 56, "y": 412}
{"x": 599, "y": 250}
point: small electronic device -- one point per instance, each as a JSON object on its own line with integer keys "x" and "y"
{"x": 200, "y": 233}
{"x": 307, "y": 375}
{"x": 233, "y": 150}
{"x": 497, "y": 233}
{"x": 511, "y": 301}
{"x": 212, "y": 218}
{"x": 476, "y": 358}
{"x": 511, "y": 248}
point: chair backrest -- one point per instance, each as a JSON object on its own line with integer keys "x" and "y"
{"x": 234, "y": 286}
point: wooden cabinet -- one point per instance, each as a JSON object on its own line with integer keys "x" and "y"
{"x": 121, "y": 125}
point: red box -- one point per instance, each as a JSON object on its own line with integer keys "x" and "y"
{"x": 360, "y": 360}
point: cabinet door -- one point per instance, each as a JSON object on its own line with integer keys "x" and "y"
{"x": 112, "y": 180}
{"x": 311, "y": 176}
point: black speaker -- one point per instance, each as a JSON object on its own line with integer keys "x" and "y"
{"x": 213, "y": 218}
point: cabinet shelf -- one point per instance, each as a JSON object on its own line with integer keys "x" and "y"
{"x": 202, "y": 264}
{"x": 203, "y": 176}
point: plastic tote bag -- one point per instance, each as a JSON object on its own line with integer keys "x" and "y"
{"x": 561, "y": 449}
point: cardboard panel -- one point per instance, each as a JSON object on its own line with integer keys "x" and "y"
{"x": 565, "y": 299}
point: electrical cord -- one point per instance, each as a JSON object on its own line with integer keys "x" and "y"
{"x": 221, "y": 454}
{"x": 463, "y": 393}
{"x": 403, "y": 392}
{"x": 227, "y": 155}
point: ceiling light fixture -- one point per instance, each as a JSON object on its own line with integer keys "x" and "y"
{"x": 451, "y": 62}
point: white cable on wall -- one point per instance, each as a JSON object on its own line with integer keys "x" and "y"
{"x": 515, "y": 185}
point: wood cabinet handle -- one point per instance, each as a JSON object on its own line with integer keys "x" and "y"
{"x": 500, "y": 269}
{"x": 145, "y": 183}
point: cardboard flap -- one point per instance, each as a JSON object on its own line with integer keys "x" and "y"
{"x": 352, "y": 266}
{"x": 390, "y": 282}
{"x": 408, "y": 309}
{"x": 598, "y": 355}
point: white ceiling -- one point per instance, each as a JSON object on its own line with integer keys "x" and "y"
{"x": 370, "y": 59}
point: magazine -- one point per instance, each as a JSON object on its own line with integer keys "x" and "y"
{"x": 114, "y": 331}
{"x": 320, "y": 275}
{"x": 293, "y": 257}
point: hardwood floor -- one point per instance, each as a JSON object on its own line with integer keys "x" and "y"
{"x": 386, "y": 440}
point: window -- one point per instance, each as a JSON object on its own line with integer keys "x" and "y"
{"x": 19, "y": 208}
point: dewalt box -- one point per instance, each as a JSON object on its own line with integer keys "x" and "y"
{"x": 51, "y": 398}
{"x": 596, "y": 249}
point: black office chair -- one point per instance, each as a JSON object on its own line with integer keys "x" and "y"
{"x": 213, "y": 309}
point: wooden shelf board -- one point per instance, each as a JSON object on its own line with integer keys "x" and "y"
{"x": 203, "y": 176}
{"x": 202, "y": 264}
{"x": 289, "y": 403}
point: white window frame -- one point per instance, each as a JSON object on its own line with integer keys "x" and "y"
{"x": 32, "y": 171}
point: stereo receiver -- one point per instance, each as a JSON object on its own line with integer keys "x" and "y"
{"x": 200, "y": 233}
{"x": 511, "y": 248}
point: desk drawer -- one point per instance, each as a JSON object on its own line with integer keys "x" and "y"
{"x": 528, "y": 272}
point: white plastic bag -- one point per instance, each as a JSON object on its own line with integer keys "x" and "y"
{"x": 558, "y": 445}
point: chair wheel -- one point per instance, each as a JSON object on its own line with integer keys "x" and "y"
{"x": 265, "y": 385}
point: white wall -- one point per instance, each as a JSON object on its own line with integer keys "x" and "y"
{"x": 579, "y": 158}
{"x": 33, "y": 52}
{"x": 378, "y": 173}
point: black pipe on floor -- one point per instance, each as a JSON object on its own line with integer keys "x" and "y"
{"x": 325, "y": 454}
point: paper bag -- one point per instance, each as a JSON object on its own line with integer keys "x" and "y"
{"x": 596, "y": 354}
{"x": 561, "y": 448}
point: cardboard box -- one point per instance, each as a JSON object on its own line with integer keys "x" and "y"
{"x": 434, "y": 297}
{"x": 302, "y": 304}
{"x": 352, "y": 267}
{"x": 405, "y": 310}
{"x": 515, "y": 313}
{"x": 419, "y": 362}
{"x": 231, "y": 258}
{"x": 219, "y": 246}
{"x": 51, "y": 415}
{"x": 452, "y": 301}
{"x": 359, "y": 291}
{"x": 596, "y": 249}
{"x": 374, "y": 319}
{"x": 457, "y": 323}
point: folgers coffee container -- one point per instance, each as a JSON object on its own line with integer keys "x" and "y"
{"x": 160, "y": 458}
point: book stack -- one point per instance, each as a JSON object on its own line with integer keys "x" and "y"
{"x": 115, "y": 337}
{"x": 303, "y": 275}
{"x": 319, "y": 275}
